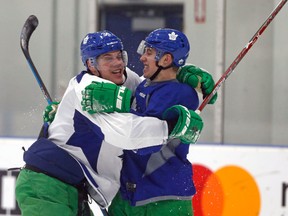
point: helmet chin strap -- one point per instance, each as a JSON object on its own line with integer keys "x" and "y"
{"x": 160, "y": 68}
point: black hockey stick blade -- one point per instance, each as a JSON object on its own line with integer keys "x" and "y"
{"x": 29, "y": 26}
{"x": 27, "y": 30}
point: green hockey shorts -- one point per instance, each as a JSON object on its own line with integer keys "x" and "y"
{"x": 38, "y": 194}
{"x": 120, "y": 207}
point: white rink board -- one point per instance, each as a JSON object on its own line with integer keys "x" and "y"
{"x": 11, "y": 155}
{"x": 267, "y": 166}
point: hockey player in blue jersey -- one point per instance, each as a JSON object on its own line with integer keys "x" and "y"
{"x": 158, "y": 180}
{"x": 75, "y": 152}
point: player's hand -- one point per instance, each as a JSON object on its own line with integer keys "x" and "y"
{"x": 197, "y": 78}
{"x": 105, "y": 97}
{"x": 189, "y": 124}
{"x": 50, "y": 112}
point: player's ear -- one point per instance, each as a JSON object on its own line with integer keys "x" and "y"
{"x": 166, "y": 60}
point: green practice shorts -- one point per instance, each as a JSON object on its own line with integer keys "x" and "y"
{"x": 120, "y": 207}
{"x": 39, "y": 194}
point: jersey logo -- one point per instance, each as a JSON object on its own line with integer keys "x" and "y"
{"x": 141, "y": 94}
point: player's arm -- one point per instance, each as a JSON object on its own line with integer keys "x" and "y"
{"x": 187, "y": 127}
{"x": 131, "y": 128}
{"x": 98, "y": 97}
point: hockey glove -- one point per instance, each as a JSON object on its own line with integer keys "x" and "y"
{"x": 50, "y": 112}
{"x": 189, "y": 124}
{"x": 197, "y": 77}
{"x": 105, "y": 97}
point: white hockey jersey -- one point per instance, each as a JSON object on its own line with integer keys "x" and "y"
{"x": 96, "y": 141}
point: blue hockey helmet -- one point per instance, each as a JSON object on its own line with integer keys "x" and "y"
{"x": 98, "y": 43}
{"x": 166, "y": 40}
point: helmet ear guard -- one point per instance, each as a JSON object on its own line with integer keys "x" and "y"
{"x": 92, "y": 61}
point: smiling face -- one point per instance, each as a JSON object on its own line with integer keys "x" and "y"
{"x": 148, "y": 60}
{"x": 168, "y": 72}
{"x": 110, "y": 66}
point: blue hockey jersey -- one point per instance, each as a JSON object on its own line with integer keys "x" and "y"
{"x": 150, "y": 175}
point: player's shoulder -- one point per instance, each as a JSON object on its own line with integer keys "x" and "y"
{"x": 132, "y": 79}
{"x": 183, "y": 89}
{"x": 132, "y": 74}
{"x": 173, "y": 87}
{"x": 180, "y": 86}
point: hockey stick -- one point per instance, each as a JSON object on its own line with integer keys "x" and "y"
{"x": 241, "y": 55}
{"x": 29, "y": 26}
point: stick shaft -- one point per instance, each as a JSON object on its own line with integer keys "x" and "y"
{"x": 29, "y": 26}
{"x": 241, "y": 55}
